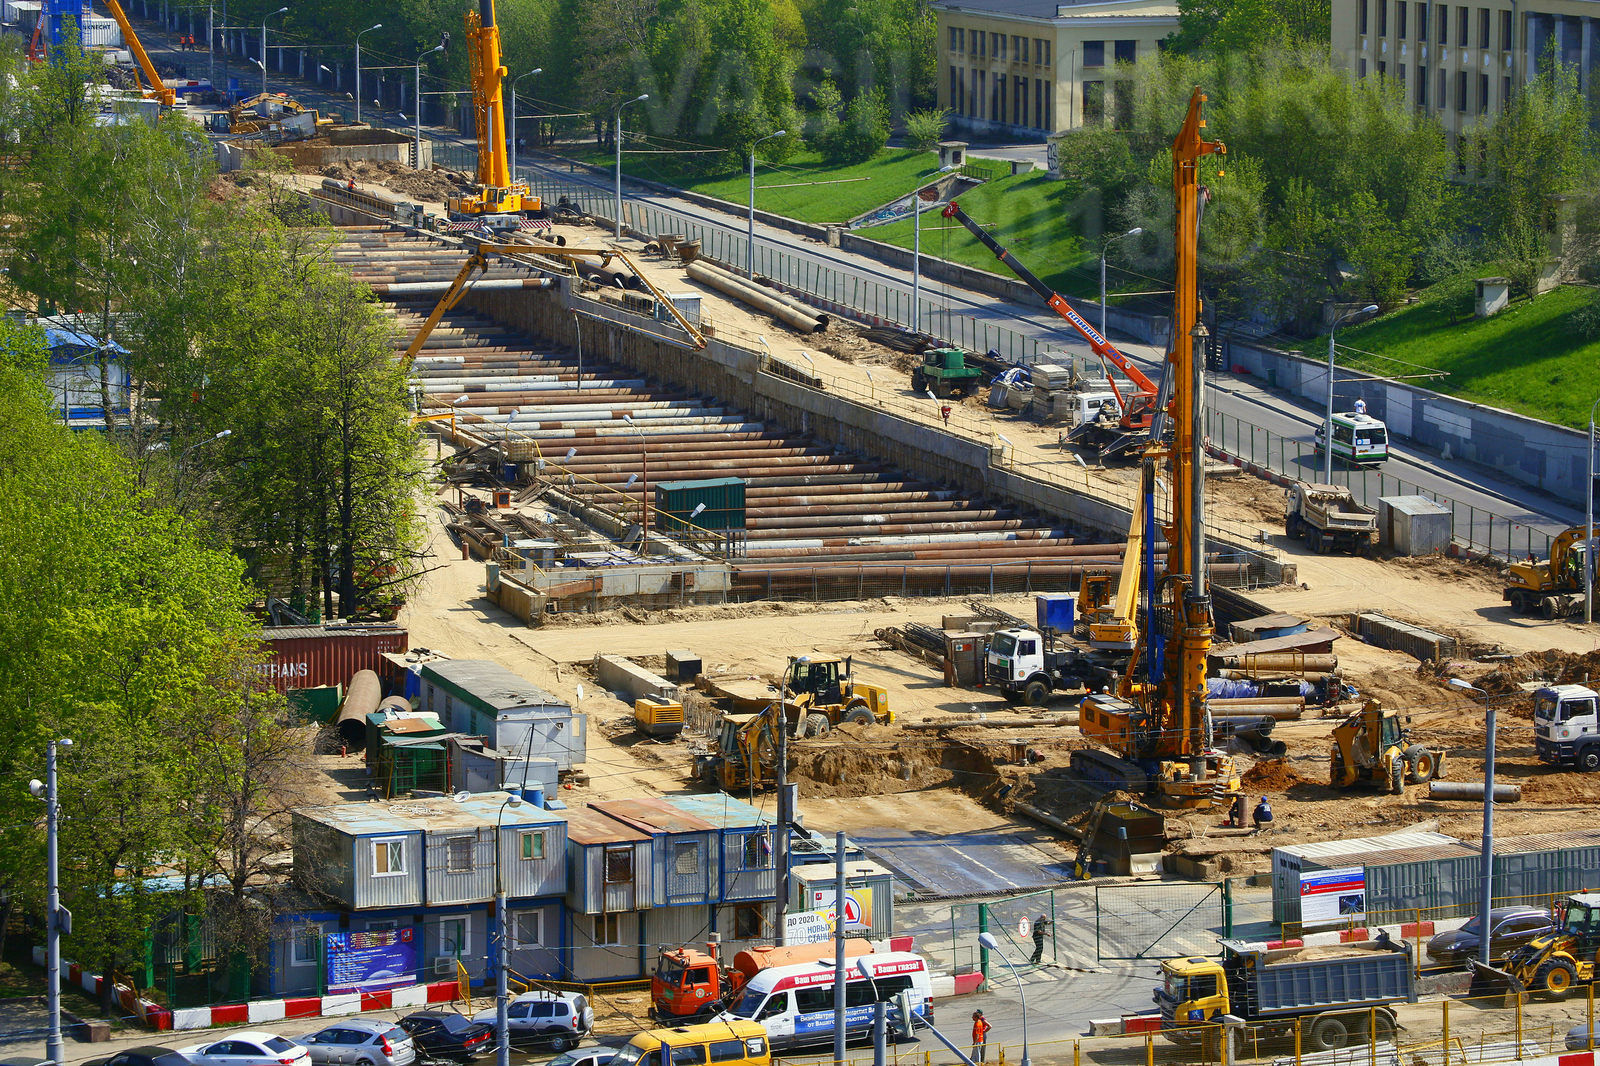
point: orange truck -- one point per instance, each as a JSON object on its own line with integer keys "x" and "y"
{"x": 692, "y": 985}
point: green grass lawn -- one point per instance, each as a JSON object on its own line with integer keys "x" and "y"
{"x": 1527, "y": 358}
{"x": 891, "y": 174}
{"x": 1028, "y": 214}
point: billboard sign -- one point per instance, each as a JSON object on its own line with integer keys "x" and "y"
{"x": 1333, "y": 897}
{"x": 374, "y": 959}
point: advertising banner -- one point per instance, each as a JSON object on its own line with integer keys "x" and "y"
{"x": 372, "y": 960}
{"x": 857, "y": 907}
{"x": 1333, "y": 897}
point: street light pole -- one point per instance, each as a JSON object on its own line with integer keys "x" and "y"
{"x": 1327, "y": 426}
{"x": 616, "y": 129}
{"x": 1588, "y": 527}
{"x": 989, "y": 941}
{"x": 53, "y": 1047}
{"x": 1486, "y": 898}
{"x": 416, "y": 159}
{"x": 513, "y": 145}
{"x": 280, "y": 11}
{"x": 750, "y": 243}
{"x": 1134, "y": 232}
{"x": 502, "y": 1022}
{"x": 644, "y": 460}
{"x": 369, "y": 29}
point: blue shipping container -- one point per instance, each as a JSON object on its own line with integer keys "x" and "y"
{"x": 1056, "y": 610}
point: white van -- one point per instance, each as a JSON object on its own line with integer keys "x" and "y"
{"x": 795, "y": 1003}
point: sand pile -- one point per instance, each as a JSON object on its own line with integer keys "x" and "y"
{"x": 1273, "y": 775}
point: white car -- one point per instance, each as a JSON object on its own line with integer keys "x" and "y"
{"x": 248, "y": 1049}
{"x": 589, "y": 1056}
{"x": 558, "y": 1019}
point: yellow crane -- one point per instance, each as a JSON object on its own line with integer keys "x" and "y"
{"x": 1158, "y": 728}
{"x": 496, "y": 192}
{"x": 157, "y": 90}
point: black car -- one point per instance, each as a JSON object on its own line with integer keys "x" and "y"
{"x": 1510, "y": 927}
{"x": 149, "y": 1055}
{"x": 444, "y": 1034}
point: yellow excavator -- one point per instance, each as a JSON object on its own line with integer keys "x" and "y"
{"x": 1553, "y": 588}
{"x": 497, "y": 198}
{"x": 157, "y": 90}
{"x": 1371, "y": 746}
{"x": 1155, "y": 733}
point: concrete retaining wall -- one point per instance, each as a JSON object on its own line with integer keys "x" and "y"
{"x": 619, "y": 675}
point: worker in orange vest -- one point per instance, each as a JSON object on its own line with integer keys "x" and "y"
{"x": 980, "y": 1036}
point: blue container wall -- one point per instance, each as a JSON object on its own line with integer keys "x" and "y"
{"x": 1056, "y": 610}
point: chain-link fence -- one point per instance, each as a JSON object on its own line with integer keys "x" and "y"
{"x": 1024, "y": 941}
{"x": 1157, "y": 920}
{"x": 1475, "y": 527}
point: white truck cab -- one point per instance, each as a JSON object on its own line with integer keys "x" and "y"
{"x": 1566, "y": 730}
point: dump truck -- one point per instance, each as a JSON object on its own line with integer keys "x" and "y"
{"x": 1328, "y": 517}
{"x": 945, "y": 373}
{"x": 690, "y": 985}
{"x": 1372, "y": 747}
{"x": 1027, "y": 669}
{"x": 1333, "y": 992}
{"x": 1566, "y": 731}
{"x": 1553, "y": 588}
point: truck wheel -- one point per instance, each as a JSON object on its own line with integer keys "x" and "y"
{"x": 1329, "y": 1034}
{"x": 1550, "y": 607}
{"x": 1291, "y": 526}
{"x": 1336, "y": 769}
{"x": 918, "y": 382}
{"x": 1519, "y": 603}
{"x": 1555, "y": 978}
{"x": 858, "y": 716}
{"x": 1383, "y": 1030}
{"x": 1589, "y": 760}
{"x": 1036, "y": 694}
{"x": 1397, "y": 776}
{"x": 816, "y": 725}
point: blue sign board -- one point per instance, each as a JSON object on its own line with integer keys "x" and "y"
{"x": 365, "y": 961}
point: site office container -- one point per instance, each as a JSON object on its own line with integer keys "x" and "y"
{"x": 686, "y": 849}
{"x": 723, "y": 497}
{"x": 314, "y": 656}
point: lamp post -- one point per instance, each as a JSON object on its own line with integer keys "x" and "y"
{"x": 1486, "y": 898}
{"x": 644, "y": 458}
{"x": 1588, "y": 527}
{"x": 616, "y": 128}
{"x": 57, "y": 919}
{"x": 280, "y": 11}
{"x": 1134, "y": 232}
{"x": 513, "y": 144}
{"x": 1327, "y": 427}
{"x": 502, "y": 1024}
{"x": 416, "y": 159}
{"x": 989, "y": 941}
{"x": 177, "y": 472}
{"x": 369, "y": 29}
{"x": 750, "y": 246}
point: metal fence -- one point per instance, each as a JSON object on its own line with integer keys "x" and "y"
{"x": 1004, "y": 919}
{"x": 1157, "y": 920}
{"x": 1475, "y": 527}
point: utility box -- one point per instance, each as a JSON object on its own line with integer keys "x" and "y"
{"x": 1414, "y": 525}
{"x": 952, "y": 154}
{"x": 1492, "y": 295}
{"x": 1056, "y": 610}
{"x": 965, "y": 653}
{"x": 722, "y": 497}
{"x": 683, "y": 666}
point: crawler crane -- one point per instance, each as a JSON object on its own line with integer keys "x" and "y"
{"x": 497, "y": 199}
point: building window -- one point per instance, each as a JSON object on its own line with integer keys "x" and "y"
{"x": 531, "y": 844}
{"x": 1507, "y": 44}
{"x": 1094, "y": 53}
{"x": 619, "y": 865}
{"x": 980, "y": 42}
{"x": 1422, "y": 23}
{"x": 1444, "y": 23}
{"x": 998, "y": 46}
{"x": 980, "y": 92}
{"x": 955, "y": 39}
{"x": 1041, "y": 53}
{"x": 686, "y": 857}
{"x": 1361, "y": 67}
{"x": 458, "y": 855}
{"x": 1361, "y": 18}
{"x": 960, "y": 102}
{"x": 388, "y": 857}
{"x": 1126, "y": 51}
{"x": 1505, "y": 91}
{"x": 749, "y": 923}
{"x": 305, "y": 949}
{"x": 608, "y": 930}
{"x": 973, "y": 99}
{"x": 1019, "y": 102}
{"x": 527, "y": 929}
{"x": 1019, "y": 49}
{"x": 1383, "y": 18}
{"x": 1483, "y": 27}
{"x": 997, "y": 99}
{"x": 758, "y": 851}
{"x": 1094, "y": 103}
{"x": 1483, "y": 93}
{"x": 1401, "y": 10}
{"x": 1383, "y": 68}
{"x": 1444, "y": 90}
{"x": 955, "y": 90}
{"x": 1463, "y": 28}
{"x": 1422, "y": 86}
{"x": 1461, "y": 92}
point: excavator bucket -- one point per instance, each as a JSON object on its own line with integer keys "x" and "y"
{"x": 1488, "y": 982}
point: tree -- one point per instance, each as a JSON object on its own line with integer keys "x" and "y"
{"x": 925, "y": 128}
{"x": 1246, "y": 25}
{"x": 861, "y": 133}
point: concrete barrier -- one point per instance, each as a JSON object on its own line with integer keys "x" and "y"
{"x": 619, "y": 675}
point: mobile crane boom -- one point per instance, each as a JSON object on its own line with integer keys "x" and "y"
{"x": 158, "y": 91}
{"x": 497, "y": 193}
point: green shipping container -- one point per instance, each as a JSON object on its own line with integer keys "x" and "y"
{"x": 723, "y": 498}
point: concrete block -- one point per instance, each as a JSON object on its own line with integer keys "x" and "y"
{"x": 1353, "y": 936}
{"x": 1454, "y": 982}
{"x": 619, "y": 675}
{"x": 1194, "y": 869}
{"x": 1105, "y": 1027}
{"x": 1141, "y": 1023}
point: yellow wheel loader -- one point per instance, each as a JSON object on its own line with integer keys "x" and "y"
{"x": 1372, "y": 747}
{"x": 1554, "y": 963}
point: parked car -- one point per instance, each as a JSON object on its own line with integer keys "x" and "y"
{"x": 149, "y": 1055}
{"x": 558, "y": 1019}
{"x": 444, "y": 1034}
{"x": 248, "y": 1049}
{"x": 589, "y": 1056}
{"x": 1510, "y": 927}
{"x": 359, "y": 1042}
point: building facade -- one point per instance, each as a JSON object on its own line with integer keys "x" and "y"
{"x": 1462, "y": 62}
{"x": 1029, "y": 68}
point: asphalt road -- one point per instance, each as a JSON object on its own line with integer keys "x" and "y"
{"x": 1488, "y": 510}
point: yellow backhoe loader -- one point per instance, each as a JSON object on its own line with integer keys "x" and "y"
{"x": 1373, "y": 747}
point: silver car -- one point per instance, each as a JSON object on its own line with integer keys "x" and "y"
{"x": 359, "y": 1042}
